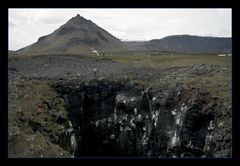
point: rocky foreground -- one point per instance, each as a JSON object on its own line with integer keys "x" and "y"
{"x": 79, "y": 106}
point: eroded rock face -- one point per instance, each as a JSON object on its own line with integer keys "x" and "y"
{"x": 109, "y": 119}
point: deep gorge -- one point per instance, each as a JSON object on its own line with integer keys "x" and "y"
{"x": 114, "y": 119}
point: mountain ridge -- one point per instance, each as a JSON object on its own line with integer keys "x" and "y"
{"x": 81, "y": 36}
{"x": 184, "y": 43}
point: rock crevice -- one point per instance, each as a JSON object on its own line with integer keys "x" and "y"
{"x": 111, "y": 119}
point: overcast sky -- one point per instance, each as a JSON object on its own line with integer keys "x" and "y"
{"x": 27, "y": 25}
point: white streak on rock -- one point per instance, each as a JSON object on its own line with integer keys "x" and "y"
{"x": 135, "y": 111}
{"x": 174, "y": 112}
{"x": 154, "y": 98}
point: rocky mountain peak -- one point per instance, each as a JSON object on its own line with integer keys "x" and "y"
{"x": 78, "y": 21}
{"x": 77, "y": 35}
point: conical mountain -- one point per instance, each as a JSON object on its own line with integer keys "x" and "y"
{"x": 77, "y": 36}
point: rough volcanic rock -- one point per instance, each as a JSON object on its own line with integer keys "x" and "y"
{"x": 163, "y": 124}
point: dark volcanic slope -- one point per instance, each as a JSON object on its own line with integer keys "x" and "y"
{"x": 185, "y": 43}
{"x": 65, "y": 66}
{"x": 77, "y": 36}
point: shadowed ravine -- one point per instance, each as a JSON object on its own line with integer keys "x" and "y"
{"x": 106, "y": 119}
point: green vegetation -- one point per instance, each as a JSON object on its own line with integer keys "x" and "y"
{"x": 34, "y": 104}
{"x": 29, "y": 98}
{"x": 219, "y": 84}
{"x": 156, "y": 60}
{"x": 169, "y": 60}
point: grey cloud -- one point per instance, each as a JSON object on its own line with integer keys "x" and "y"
{"x": 55, "y": 20}
{"x": 132, "y": 24}
{"x": 11, "y": 24}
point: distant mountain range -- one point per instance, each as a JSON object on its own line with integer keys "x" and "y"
{"x": 82, "y": 36}
{"x": 184, "y": 43}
